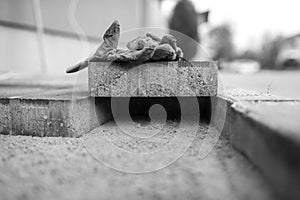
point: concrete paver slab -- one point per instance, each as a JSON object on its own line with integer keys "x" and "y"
{"x": 30, "y": 108}
{"x": 153, "y": 79}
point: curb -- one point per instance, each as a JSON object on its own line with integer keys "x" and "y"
{"x": 265, "y": 129}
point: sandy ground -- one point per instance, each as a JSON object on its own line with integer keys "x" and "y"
{"x": 67, "y": 168}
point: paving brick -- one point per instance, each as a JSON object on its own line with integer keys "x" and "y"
{"x": 153, "y": 79}
{"x": 47, "y": 117}
{"x": 50, "y": 111}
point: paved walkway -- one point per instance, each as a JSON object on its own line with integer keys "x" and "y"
{"x": 282, "y": 83}
{"x": 34, "y": 167}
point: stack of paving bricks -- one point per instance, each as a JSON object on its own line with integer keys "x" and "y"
{"x": 58, "y": 111}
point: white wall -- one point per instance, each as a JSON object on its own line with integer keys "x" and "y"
{"x": 19, "y": 50}
{"x": 92, "y": 15}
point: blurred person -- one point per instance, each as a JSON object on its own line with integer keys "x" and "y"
{"x": 185, "y": 20}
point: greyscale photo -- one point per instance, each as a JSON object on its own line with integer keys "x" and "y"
{"x": 149, "y": 99}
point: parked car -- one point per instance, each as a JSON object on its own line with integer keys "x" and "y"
{"x": 289, "y": 53}
{"x": 243, "y": 66}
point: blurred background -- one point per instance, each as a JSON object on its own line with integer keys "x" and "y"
{"x": 256, "y": 42}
